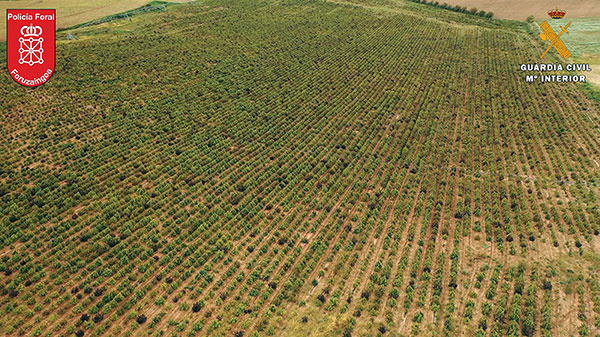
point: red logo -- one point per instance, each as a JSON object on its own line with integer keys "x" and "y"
{"x": 30, "y": 45}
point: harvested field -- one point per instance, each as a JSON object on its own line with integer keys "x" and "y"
{"x": 521, "y": 9}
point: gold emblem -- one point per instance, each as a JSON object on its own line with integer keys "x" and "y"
{"x": 554, "y": 39}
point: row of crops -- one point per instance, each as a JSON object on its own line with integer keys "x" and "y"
{"x": 255, "y": 168}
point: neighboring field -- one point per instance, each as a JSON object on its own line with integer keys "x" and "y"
{"x": 298, "y": 168}
{"x": 583, "y": 41}
{"x": 584, "y": 35}
{"x": 70, "y": 12}
{"x": 521, "y": 9}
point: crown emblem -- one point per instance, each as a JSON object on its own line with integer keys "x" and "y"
{"x": 556, "y": 13}
{"x": 31, "y": 31}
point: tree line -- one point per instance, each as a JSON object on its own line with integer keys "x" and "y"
{"x": 457, "y": 8}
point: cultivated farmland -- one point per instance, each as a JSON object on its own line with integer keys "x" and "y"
{"x": 299, "y": 168}
{"x": 71, "y": 12}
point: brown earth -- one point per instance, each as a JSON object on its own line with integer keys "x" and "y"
{"x": 521, "y": 9}
{"x": 71, "y": 12}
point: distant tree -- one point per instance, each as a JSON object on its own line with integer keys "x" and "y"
{"x": 530, "y": 19}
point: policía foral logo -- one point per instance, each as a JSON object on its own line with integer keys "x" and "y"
{"x": 30, "y": 45}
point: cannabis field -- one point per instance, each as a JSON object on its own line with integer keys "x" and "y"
{"x": 298, "y": 168}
